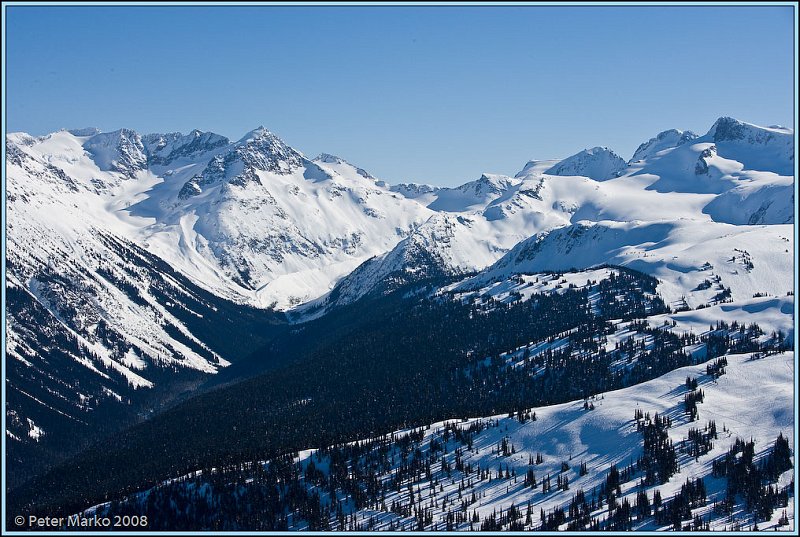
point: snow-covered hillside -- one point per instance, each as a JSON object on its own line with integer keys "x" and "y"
{"x": 94, "y": 323}
{"x": 694, "y": 262}
{"x": 578, "y": 465}
{"x": 65, "y": 251}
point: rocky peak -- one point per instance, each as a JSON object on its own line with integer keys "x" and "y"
{"x": 728, "y": 129}
{"x": 488, "y": 183}
{"x": 598, "y": 163}
{"x": 262, "y": 150}
{"x": 163, "y": 149}
{"x": 258, "y": 150}
{"x": 757, "y": 148}
{"x": 664, "y": 140}
{"x": 121, "y": 151}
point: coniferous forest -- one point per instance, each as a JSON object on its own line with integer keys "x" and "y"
{"x": 368, "y": 377}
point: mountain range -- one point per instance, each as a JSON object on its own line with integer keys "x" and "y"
{"x": 139, "y": 267}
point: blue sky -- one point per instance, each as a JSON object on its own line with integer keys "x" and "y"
{"x": 426, "y": 94}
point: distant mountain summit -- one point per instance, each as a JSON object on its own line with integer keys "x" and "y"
{"x": 757, "y": 148}
{"x": 665, "y": 140}
{"x": 164, "y": 149}
{"x": 120, "y": 151}
{"x": 598, "y": 163}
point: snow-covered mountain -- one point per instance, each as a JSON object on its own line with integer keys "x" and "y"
{"x": 256, "y": 222}
{"x": 590, "y": 463}
{"x": 445, "y": 245}
{"x": 757, "y": 148}
{"x": 164, "y": 149}
{"x": 663, "y": 141}
{"x": 685, "y": 256}
{"x": 259, "y": 223}
{"x": 120, "y": 243}
{"x": 234, "y": 217}
{"x": 598, "y": 163}
{"x": 139, "y": 265}
{"x": 676, "y": 196}
{"x": 127, "y": 252}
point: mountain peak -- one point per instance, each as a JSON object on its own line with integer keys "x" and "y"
{"x": 265, "y": 142}
{"x": 488, "y": 183}
{"x": 163, "y": 149}
{"x": 86, "y": 131}
{"x": 598, "y": 163}
{"x": 121, "y": 150}
{"x": 327, "y": 158}
{"x": 257, "y": 134}
{"x": 664, "y": 140}
{"x": 728, "y": 129}
{"x": 756, "y": 147}
{"x": 258, "y": 150}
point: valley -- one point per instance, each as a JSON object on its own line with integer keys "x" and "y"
{"x": 266, "y": 325}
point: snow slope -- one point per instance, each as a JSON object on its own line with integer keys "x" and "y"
{"x": 761, "y": 391}
{"x": 59, "y": 227}
{"x": 566, "y": 436}
{"x": 682, "y": 254}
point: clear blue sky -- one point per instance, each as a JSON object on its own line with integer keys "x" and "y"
{"x": 427, "y": 94}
